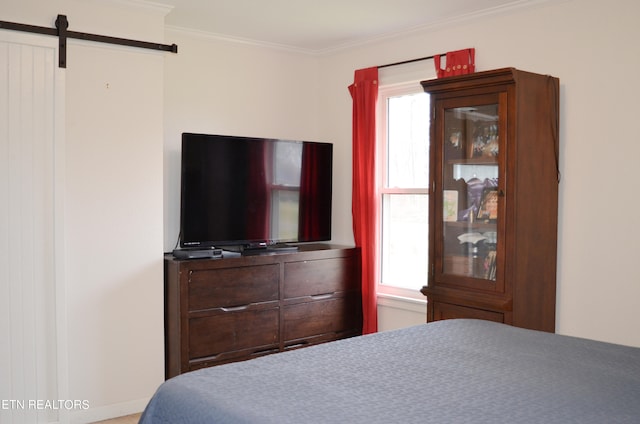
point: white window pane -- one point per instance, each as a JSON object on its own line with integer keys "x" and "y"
{"x": 285, "y": 206}
{"x": 286, "y": 164}
{"x": 405, "y": 236}
{"x": 408, "y": 141}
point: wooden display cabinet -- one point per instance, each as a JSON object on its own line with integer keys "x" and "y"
{"x": 494, "y": 203}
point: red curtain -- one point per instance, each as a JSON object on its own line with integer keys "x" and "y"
{"x": 315, "y": 197}
{"x": 364, "y": 206}
{"x": 257, "y": 191}
{"x": 459, "y": 62}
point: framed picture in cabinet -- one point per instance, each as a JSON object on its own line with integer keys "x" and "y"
{"x": 455, "y": 147}
{"x": 489, "y": 205}
{"x": 450, "y": 205}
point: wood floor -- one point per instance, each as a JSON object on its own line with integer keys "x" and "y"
{"x": 129, "y": 419}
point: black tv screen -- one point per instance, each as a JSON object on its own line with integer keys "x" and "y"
{"x": 241, "y": 191}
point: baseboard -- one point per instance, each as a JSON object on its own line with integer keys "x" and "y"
{"x": 92, "y": 415}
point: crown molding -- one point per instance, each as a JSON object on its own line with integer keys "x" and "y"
{"x": 146, "y": 5}
{"x": 511, "y": 7}
{"x": 240, "y": 40}
{"x": 441, "y": 23}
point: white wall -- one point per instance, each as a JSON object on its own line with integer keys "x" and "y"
{"x": 588, "y": 45}
{"x": 394, "y": 313}
{"x": 114, "y": 212}
{"x": 217, "y": 86}
{"x": 114, "y": 226}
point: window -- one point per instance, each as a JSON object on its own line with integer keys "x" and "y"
{"x": 403, "y": 143}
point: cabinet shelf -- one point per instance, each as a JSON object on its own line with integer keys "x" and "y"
{"x": 474, "y": 161}
{"x": 475, "y": 226}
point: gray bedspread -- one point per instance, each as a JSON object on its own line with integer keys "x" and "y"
{"x": 454, "y": 371}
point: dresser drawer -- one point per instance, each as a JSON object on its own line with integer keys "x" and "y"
{"x": 330, "y": 316}
{"x": 233, "y": 286}
{"x": 310, "y": 278}
{"x": 232, "y": 331}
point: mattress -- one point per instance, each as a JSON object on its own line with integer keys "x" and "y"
{"x": 452, "y": 371}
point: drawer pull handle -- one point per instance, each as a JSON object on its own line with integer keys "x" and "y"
{"x": 297, "y": 345}
{"x": 235, "y": 308}
{"x": 322, "y": 296}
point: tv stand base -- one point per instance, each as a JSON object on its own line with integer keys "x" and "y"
{"x": 262, "y": 249}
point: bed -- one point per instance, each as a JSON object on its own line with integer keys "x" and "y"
{"x": 452, "y": 371}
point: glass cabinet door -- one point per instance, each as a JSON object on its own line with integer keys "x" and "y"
{"x": 468, "y": 226}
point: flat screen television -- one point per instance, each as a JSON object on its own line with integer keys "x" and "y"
{"x": 243, "y": 193}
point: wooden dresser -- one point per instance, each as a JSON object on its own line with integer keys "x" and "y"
{"x": 233, "y": 309}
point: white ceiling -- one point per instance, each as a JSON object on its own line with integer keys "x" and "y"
{"x": 317, "y": 26}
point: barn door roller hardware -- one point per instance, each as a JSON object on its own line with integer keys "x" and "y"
{"x": 63, "y": 34}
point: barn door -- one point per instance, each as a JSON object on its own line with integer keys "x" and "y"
{"x": 31, "y": 111}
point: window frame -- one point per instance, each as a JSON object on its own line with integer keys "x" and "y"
{"x": 384, "y": 93}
